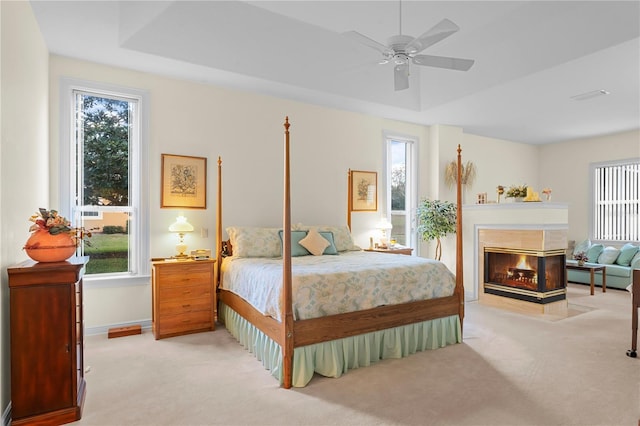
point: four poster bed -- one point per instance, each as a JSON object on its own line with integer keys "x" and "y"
{"x": 338, "y": 309}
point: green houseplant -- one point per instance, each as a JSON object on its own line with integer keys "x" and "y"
{"x": 436, "y": 219}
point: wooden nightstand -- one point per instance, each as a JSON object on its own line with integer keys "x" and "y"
{"x": 184, "y": 297}
{"x": 397, "y": 250}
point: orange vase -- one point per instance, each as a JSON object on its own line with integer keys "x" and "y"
{"x": 44, "y": 247}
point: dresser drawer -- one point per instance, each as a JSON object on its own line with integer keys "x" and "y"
{"x": 188, "y": 322}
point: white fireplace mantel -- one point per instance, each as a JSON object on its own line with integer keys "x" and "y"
{"x": 509, "y": 215}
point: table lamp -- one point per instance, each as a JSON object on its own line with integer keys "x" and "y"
{"x": 181, "y": 227}
{"x": 384, "y": 226}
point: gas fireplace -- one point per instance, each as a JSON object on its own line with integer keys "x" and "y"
{"x": 530, "y": 275}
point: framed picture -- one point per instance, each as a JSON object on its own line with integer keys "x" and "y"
{"x": 363, "y": 187}
{"x": 184, "y": 182}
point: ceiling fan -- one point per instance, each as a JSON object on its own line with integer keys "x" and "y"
{"x": 401, "y": 50}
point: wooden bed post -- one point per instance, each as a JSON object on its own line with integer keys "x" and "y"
{"x": 349, "y": 194}
{"x": 459, "y": 265}
{"x": 287, "y": 309}
{"x": 216, "y": 277}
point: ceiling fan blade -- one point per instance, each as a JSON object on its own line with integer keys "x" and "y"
{"x": 440, "y": 31}
{"x": 401, "y": 77}
{"x": 360, "y": 38}
{"x": 458, "y": 64}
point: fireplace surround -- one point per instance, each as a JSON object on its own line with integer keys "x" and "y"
{"x": 526, "y": 287}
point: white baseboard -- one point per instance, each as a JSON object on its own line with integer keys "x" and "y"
{"x": 104, "y": 329}
{"x": 6, "y": 415}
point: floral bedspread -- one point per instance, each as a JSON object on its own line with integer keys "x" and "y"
{"x": 333, "y": 284}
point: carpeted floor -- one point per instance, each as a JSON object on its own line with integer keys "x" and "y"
{"x": 511, "y": 369}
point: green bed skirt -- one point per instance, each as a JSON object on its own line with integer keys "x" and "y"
{"x": 334, "y": 358}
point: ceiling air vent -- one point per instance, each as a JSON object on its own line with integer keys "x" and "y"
{"x": 590, "y": 95}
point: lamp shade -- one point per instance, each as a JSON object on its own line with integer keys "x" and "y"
{"x": 384, "y": 224}
{"x": 181, "y": 225}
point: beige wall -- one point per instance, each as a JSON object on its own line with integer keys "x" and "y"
{"x": 24, "y": 149}
{"x": 565, "y": 168}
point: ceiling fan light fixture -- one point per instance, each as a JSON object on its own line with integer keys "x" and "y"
{"x": 590, "y": 95}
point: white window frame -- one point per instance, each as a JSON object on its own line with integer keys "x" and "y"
{"x": 139, "y": 171}
{"x": 411, "y": 190}
{"x": 630, "y": 190}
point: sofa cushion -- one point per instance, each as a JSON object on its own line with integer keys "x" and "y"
{"x": 608, "y": 256}
{"x": 583, "y": 246}
{"x": 618, "y": 271}
{"x": 594, "y": 252}
{"x": 626, "y": 254}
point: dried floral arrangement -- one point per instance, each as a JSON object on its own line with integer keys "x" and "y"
{"x": 468, "y": 174}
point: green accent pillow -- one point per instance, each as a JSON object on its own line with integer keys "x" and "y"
{"x": 594, "y": 252}
{"x": 296, "y": 248}
{"x": 331, "y": 248}
{"x": 626, "y": 254}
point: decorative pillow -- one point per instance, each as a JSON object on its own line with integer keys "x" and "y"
{"x": 341, "y": 235}
{"x": 331, "y": 248}
{"x": 627, "y": 252}
{"x": 594, "y": 252}
{"x": 296, "y": 248}
{"x": 254, "y": 242}
{"x": 314, "y": 242}
{"x": 608, "y": 256}
{"x": 583, "y": 246}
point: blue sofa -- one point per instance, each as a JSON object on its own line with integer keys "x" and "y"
{"x": 620, "y": 263}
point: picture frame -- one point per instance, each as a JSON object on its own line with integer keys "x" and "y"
{"x": 363, "y": 190}
{"x": 184, "y": 182}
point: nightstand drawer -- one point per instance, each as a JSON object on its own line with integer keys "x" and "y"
{"x": 184, "y": 306}
{"x": 197, "y": 291}
{"x": 185, "y": 323}
{"x": 183, "y": 275}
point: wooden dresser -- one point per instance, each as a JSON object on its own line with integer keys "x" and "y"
{"x": 47, "y": 365}
{"x": 184, "y": 297}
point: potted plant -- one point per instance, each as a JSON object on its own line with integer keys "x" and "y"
{"x": 517, "y": 192}
{"x": 436, "y": 219}
{"x": 53, "y": 239}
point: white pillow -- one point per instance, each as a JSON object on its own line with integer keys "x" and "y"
{"x": 608, "y": 256}
{"x": 314, "y": 242}
{"x": 254, "y": 242}
{"x": 582, "y": 247}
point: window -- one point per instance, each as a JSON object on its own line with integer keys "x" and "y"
{"x": 103, "y": 162}
{"x": 616, "y": 201}
{"x": 401, "y": 188}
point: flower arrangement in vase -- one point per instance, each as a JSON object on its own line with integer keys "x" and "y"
{"x": 581, "y": 257}
{"x": 53, "y": 239}
{"x": 517, "y": 192}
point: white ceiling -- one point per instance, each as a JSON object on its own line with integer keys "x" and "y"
{"x": 530, "y": 56}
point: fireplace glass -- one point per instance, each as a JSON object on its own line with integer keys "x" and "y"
{"x": 534, "y": 276}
